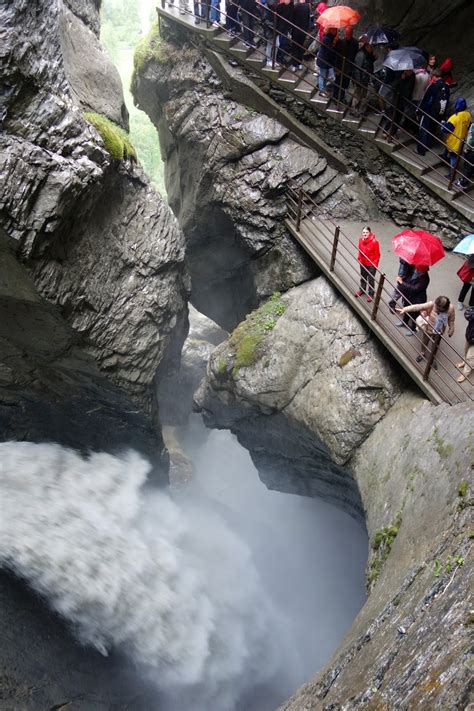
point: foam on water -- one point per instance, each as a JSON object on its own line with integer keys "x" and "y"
{"x": 171, "y": 586}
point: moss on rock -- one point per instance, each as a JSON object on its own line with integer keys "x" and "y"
{"x": 247, "y": 339}
{"x": 116, "y": 141}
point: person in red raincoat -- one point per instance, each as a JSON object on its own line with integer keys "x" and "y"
{"x": 368, "y": 258}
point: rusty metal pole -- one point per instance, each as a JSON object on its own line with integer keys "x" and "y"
{"x": 378, "y": 295}
{"x": 334, "y": 249}
{"x": 300, "y": 205}
{"x": 274, "y": 41}
{"x": 432, "y": 355}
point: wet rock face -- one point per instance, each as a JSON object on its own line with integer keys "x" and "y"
{"x": 409, "y": 647}
{"x": 51, "y": 389}
{"x": 227, "y": 170}
{"x": 98, "y": 240}
{"x": 317, "y": 387}
{"x": 178, "y": 384}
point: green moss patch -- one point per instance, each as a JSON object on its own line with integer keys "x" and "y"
{"x": 381, "y": 547}
{"x": 248, "y": 338}
{"x": 116, "y": 141}
{"x": 149, "y": 48}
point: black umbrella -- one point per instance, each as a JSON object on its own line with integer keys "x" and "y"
{"x": 406, "y": 58}
{"x": 379, "y": 34}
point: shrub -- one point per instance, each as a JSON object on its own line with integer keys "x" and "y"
{"x": 116, "y": 141}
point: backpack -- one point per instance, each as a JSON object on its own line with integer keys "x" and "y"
{"x": 469, "y": 315}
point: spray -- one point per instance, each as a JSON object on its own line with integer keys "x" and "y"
{"x": 170, "y": 586}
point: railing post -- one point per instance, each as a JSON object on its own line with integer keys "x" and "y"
{"x": 300, "y": 205}
{"x": 274, "y": 41}
{"x": 432, "y": 355}
{"x": 334, "y": 248}
{"x": 208, "y": 2}
{"x": 378, "y": 295}
{"x": 456, "y": 167}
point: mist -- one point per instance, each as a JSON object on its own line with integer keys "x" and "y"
{"x": 225, "y": 597}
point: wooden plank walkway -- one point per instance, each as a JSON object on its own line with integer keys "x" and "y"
{"x": 315, "y": 235}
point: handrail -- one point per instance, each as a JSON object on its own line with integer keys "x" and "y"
{"x": 302, "y": 206}
{"x": 453, "y": 171}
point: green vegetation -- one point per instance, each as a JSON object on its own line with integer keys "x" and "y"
{"x": 120, "y": 33}
{"x": 451, "y": 563}
{"x": 443, "y": 448}
{"x": 149, "y": 48}
{"x": 247, "y": 339}
{"x": 463, "y": 489}
{"x": 381, "y": 547}
{"x": 116, "y": 141}
{"x": 222, "y": 366}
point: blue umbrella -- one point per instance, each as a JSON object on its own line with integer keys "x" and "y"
{"x": 466, "y": 245}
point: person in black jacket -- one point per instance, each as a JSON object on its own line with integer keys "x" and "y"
{"x": 433, "y": 109}
{"x": 325, "y": 60}
{"x": 301, "y": 22}
{"x": 363, "y": 71}
{"x": 345, "y": 51}
{"x": 284, "y": 19}
{"x": 402, "y": 92}
{"x": 413, "y": 291}
{"x": 248, "y": 12}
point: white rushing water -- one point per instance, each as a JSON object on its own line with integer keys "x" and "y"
{"x": 171, "y": 583}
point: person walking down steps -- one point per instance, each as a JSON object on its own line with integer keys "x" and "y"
{"x": 368, "y": 258}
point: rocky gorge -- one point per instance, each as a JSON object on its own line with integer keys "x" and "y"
{"x": 96, "y": 272}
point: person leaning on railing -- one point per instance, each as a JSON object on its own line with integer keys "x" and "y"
{"x": 434, "y": 317}
{"x": 414, "y": 292}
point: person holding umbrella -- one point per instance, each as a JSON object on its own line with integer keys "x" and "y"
{"x": 421, "y": 249}
{"x": 466, "y": 273}
{"x": 332, "y": 19}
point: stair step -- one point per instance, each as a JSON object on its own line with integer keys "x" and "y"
{"x": 288, "y": 77}
{"x": 224, "y": 40}
{"x": 320, "y": 101}
{"x": 256, "y": 58}
{"x": 410, "y": 159}
{"x": 239, "y": 50}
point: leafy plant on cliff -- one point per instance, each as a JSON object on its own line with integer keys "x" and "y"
{"x": 149, "y": 48}
{"x": 116, "y": 141}
{"x": 381, "y": 547}
{"x": 247, "y": 339}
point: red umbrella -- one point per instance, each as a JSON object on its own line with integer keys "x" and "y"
{"x": 418, "y": 247}
{"x": 338, "y": 16}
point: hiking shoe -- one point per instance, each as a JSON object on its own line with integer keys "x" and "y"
{"x": 359, "y": 293}
{"x": 400, "y": 324}
{"x": 460, "y": 306}
{"x": 419, "y": 358}
{"x": 369, "y": 299}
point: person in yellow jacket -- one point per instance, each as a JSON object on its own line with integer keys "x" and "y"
{"x": 458, "y": 126}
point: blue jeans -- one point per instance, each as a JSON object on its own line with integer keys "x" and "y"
{"x": 323, "y": 77}
{"x": 215, "y": 15}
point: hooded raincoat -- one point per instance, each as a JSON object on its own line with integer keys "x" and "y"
{"x": 460, "y": 122}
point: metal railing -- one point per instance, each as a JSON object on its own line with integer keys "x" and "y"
{"x": 397, "y": 118}
{"x": 439, "y": 364}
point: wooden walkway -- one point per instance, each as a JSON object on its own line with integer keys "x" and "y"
{"x": 336, "y": 255}
{"x": 428, "y": 170}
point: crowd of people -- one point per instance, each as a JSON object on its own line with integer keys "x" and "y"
{"x": 356, "y": 73}
{"x": 417, "y": 313}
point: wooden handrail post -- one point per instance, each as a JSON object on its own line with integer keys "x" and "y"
{"x": 300, "y": 205}
{"x": 378, "y": 295}
{"x": 334, "y": 248}
{"x": 432, "y": 355}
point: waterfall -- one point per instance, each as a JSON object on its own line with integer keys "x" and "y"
{"x": 171, "y": 586}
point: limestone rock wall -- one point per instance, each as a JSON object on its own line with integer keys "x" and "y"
{"x": 318, "y": 385}
{"x": 98, "y": 240}
{"x": 227, "y": 172}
